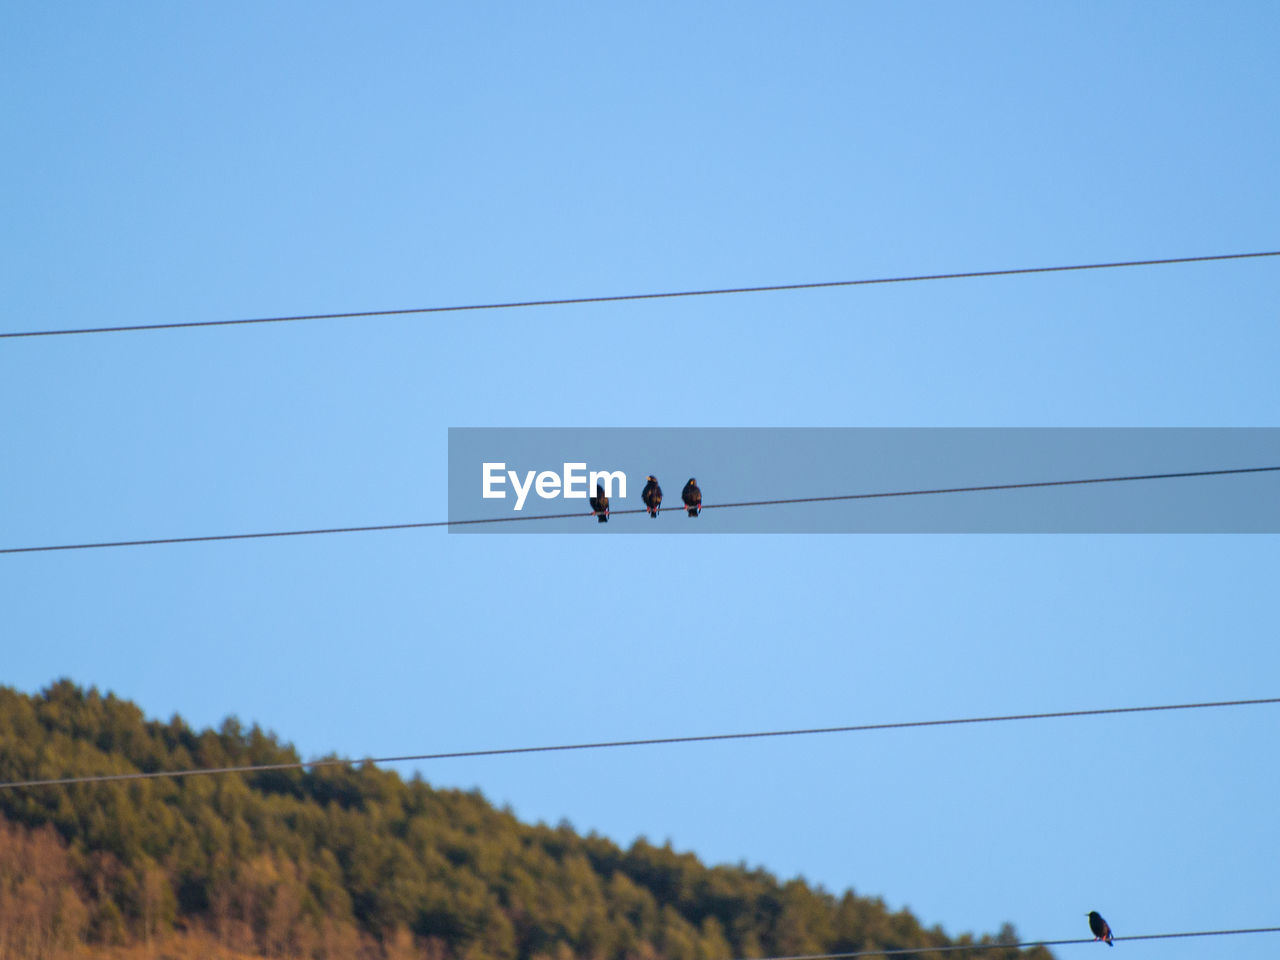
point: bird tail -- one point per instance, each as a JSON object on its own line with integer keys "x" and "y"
{"x": 694, "y": 511}
{"x": 602, "y": 517}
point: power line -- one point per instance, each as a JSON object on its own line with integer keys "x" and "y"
{"x": 615, "y": 513}
{"x": 648, "y": 742}
{"x": 618, "y": 298}
{"x": 906, "y": 951}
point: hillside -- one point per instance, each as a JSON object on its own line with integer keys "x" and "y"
{"x": 355, "y": 861}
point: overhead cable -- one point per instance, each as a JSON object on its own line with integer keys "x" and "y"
{"x": 618, "y": 298}
{"x": 610, "y": 744}
{"x": 1025, "y": 945}
{"x": 615, "y": 513}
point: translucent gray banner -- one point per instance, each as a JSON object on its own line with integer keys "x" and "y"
{"x": 867, "y": 480}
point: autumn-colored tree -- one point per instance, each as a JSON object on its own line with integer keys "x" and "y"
{"x": 42, "y": 916}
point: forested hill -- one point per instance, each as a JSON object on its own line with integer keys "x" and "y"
{"x": 356, "y": 862}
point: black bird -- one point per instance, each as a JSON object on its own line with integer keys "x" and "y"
{"x": 652, "y": 495}
{"x": 1101, "y": 929}
{"x": 692, "y": 497}
{"x": 600, "y": 504}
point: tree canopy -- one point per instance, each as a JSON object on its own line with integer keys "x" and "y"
{"x": 352, "y": 860}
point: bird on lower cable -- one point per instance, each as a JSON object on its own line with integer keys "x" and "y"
{"x": 600, "y": 505}
{"x": 1101, "y": 929}
{"x": 652, "y": 495}
{"x": 692, "y": 497}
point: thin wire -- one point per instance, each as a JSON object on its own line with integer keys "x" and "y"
{"x": 638, "y": 510}
{"x": 774, "y": 288}
{"x": 904, "y": 951}
{"x": 651, "y": 741}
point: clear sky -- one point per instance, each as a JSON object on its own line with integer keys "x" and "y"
{"x": 171, "y": 162}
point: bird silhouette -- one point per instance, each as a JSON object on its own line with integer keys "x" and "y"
{"x": 692, "y": 497}
{"x": 652, "y": 495}
{"x": 600, "y": 505}
{"x": 1101, "y": 929}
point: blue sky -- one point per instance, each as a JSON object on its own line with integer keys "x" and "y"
{"x": 168, "y": 163}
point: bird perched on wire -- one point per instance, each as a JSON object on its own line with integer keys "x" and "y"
{"x": 692, "y": 497}
{"x": 600, "y": 505}
{"x": 1101, "y": 929}
{"x": 652, "y": 495}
